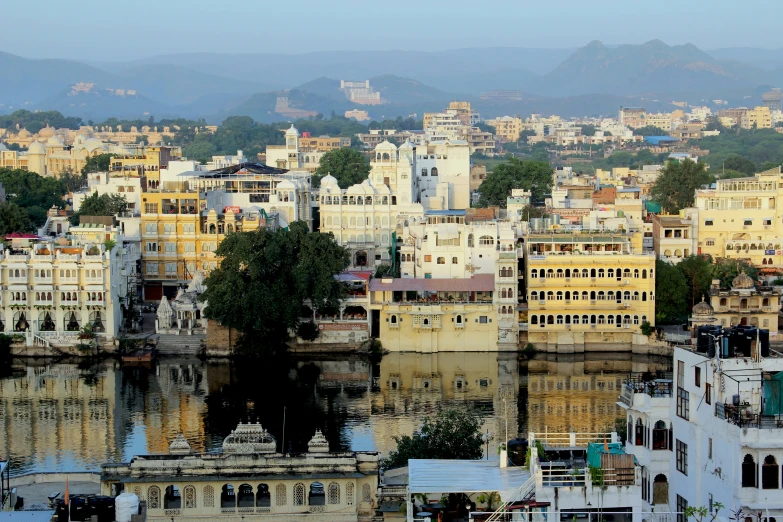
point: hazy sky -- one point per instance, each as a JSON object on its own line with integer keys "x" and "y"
{"x": 114, "y": 30}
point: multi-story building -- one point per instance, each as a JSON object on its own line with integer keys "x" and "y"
{"x": 302, "y": 152}
{"x": 687, "y": 131}
{"x": 756, "y": 118}
{"x": 587, "y": 286}
{"x": 377, "y": 136}
{"x": 711, "y": 431}
{"x": 661, "y": 120}
{"x": 52, "y": 157}
{"x": 144, "y": 160}
{"x": 360, "y": 92}
{"x": 740, "y": 219}
{"x": 52, "y": 291}
{"x": 633, "y": 117}
{"x": 745, "y": 303}
{"x": 675, "y": 237}
{"x": 507, "y": 128}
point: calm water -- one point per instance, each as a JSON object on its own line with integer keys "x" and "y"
{"x": 62, "y": 416}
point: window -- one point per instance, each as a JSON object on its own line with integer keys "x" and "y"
{"x": 454, "y": 261}
{"x": 190, "y": 247}
{"x": 683, "y": 403}
{"x": 150, "y": 208}
{"x": 427, "y": 258}
{"x": 171, "y": 248}
{"x": 682, "y": 505}
{"x": 333, "y": 493}
{"x": 707, "y": 222}
{"x": 152, "y": 247}
{"x": 151, "y": 228}
{"x": 710, "y": 242}
{"x": 766, "y": 221}
{"x": 748, "y": 222}
{"x": 152, "y": 268}
{"x": 441, "y": 260}
{"x": 171, "y": 269}
{"x": 697, "y": 376}
{"x": 486, "y": 241}
{"x": 349, "y": 494}
{"x": 483, "y": 319}
{"x": 299, "y": 493}
{"x": 682, "y": 458}
{"x": 708, "y": 393}
{"x": 169, "y": 228}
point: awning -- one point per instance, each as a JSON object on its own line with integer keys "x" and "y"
{"x": 465, "y": 476}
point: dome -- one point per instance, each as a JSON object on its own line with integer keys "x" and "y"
{"x": 24, "y": 133}
{"x": 703, "y": 309}
{"x": 79, "y": 139}
{"x": 329, "y": 181}
{"x": 36, "y": 148}
{"x": 318, "y": 444}
{"x": 249, "y": 438}
{"x": 46, "y": 132}
{"x": 92, "y": 144}
{"x": 55, "y": 141}
{"x": 743, "y": 281}
{"x": 386, "y": 145}
{"x": 407, "y": 145}
{"x": 292, "y": 131}
{"x": 179, "y": 446}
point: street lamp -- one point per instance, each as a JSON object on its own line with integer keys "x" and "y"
{"x": 488, "y": 436}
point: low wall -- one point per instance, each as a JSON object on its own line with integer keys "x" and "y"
{"x": 56, "y": 476}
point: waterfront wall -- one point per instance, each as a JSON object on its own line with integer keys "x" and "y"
{"x": 56, "y": 476}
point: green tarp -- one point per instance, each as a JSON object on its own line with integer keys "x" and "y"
{"x": 773, "y": 394}
{"x": 596, "y": 449}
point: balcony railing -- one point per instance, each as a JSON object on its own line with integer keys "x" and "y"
{"x": 744, "y": 417}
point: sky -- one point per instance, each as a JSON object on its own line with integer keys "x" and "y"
{"x": 101, "y": 30}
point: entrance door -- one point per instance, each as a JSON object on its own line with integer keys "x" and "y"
{"x": 376, "y": 324}
{"x": 744, "y": 321}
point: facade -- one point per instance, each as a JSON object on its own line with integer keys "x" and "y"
{"x": 302, "y": 152}
{"x": 52, "y": 157}
{"x": 360, "y": 92}
{"x": 633, "y": 117}
{"x": 54, "y": 290}
{"x": 710, "y": 432}
{"x": 250, "y": 477}
{"x": 740, "y": 219}
{"x": 745, "y": 303}
{"x": 757, "y": 118}
{"x": 674, "y": 237}
{"x": 507, "y": 128}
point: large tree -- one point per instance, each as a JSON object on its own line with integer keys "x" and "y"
{"x": 676, "y": 185}
{"x": 726, "y": 270}
{"x": 103, "y": 205}
{"x": 671, "y": 293}
{"x": 535, "y": 176}
{"x": 697, "y": 271}
{"x": 13, "y": 219}
{"x": 738, "y": 163}
{"x": 35, "y": 194}
{"x": 451, "y": 434}
{"x": 99, "y": 163}
{"x": 265, "y": 278}
{"x": 348, "y": 165}
{"x": 650, "y": 130}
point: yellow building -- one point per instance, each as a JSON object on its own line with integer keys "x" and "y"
{"x": 758, "y": 118}
{"x": 740, "y": 219}
{"x": 145, "y": 160}
{"x": 507, "y": 128}
{"x": 587, "y": 288}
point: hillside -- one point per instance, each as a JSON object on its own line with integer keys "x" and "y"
{"x": 769, "y": 59}
{"x": 653, "y": 67}
{"x": 98, "y": 103}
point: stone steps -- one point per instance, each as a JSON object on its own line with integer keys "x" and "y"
{"x": 169, "y": 344}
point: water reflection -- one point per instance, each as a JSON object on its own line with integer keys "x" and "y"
{"x": 66, "y": 416}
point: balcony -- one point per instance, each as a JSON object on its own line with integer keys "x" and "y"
{"x": 744, "y": 416}
{"x": 17, "y": 280}
{"x": 639, "y": 387}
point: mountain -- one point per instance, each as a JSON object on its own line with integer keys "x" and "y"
{"x": 653, "y": 67}
{"x": 96, "y": 103}
{"x": 769, "y": 59}
{"x": 477, "y": 82}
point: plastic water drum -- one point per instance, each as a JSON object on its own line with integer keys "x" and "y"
{"x": 126, "y": 505}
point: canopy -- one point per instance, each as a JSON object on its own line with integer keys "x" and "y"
{"x": 465, "y": 476}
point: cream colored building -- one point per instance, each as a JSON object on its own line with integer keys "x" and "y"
{"x": 507, "y": 128}
{"x": 756, "y": 118}
{"x": 745, "y": 303}
{"x": 302, "y": 152}
{"x": 675, "y": 237}
{"x": 661, "y": 120}
{"x": 741, "y": 219}
{"x": 250, "y": 477}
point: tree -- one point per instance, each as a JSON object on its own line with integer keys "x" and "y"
{"x": 531, "y": 212}
{"x": 697, "y": 271}
{"x": 99, "y": 163}
{"x": 650, "y": 130}
{"x": 35, "y": 194}
{"x": 451, "y": 434}
{"x": 535, "y": 176}
{"x": 13, "y": 219}
{"x": 676, "y": 185}
{"x": 103, "y": 205}
{"x": 71, "y": 180}
{"x": 348, "y": 165}
{"x": 739, "y": 163}
{"x": 588, "y": 130}
{"x": 264, "y": 279}
{"x": 671, "y": 293}
{"x": 726, "y": 270}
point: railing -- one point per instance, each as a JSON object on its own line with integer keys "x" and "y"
{"x": 523, "y": 493}
{"x": 658, "y": 385}
{"x": 569, "y": 440}
{"x": 743, "y": 417}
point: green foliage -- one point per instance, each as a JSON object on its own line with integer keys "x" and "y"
{"x": 671, "y": 292}
{"x": 35, "y": 194}
{"x": 738, "y": 163}
{"x": 778, "y": 281}
{"x": 72, "y": 181}
{"x": 35, "y": 121}
{"x": 99, "y": 163}
{"x": 596, "y": 475}
{"x": 307, "y": 330}
{"x": 14, "y": 219}
{"x": 757, "y": 146}
{"x": 491, "y": 499}
{"x": 588, "y": 130}
{"x": 529, "y": 351}
{"x": 109, "y": 244}
{"x": 531, "y": 212}
{"x": 726, "y": 270}
{"x": 265, "y": 277}
{"x": 697, "y": 271}
{"x": 452, "y": 434}
{"x": 676, "y": 185}
{"x": 535, "y": 176}
{"x": 646, "y": 328}
{"x": 101, "y": 205}
{"x": 650, "y": 130}
{"x": 349, "y": 166}
{"x": 621, "y": 427}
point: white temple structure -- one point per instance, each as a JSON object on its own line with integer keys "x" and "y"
{"x": 184, "y": 315}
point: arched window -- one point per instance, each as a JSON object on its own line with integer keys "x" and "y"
{"x": 434, "y": 171}
{"x": 190, "y": 497}
{"x": 749, "y": 472}
{"x": 770, "y": 473}
{"x": 644, "y": 274}
{"x": 660, "y": 437}
{"x": 454, "y": 261}
{"x": 366, "y": 496}
{"x": 393, "y": 319}
{"x": 349, "y": 494}
{"x": 333, "y": 493}
{"x": 486, "y": 241}
{"x": 263, "y": 497}
{"x": 441, "y": 260}
{"x": 534, "y": 319}
{"x": 280, "y": 495}
{"x": 316, "y": 497}
{"x": 172, "y": 498}
{"x": 153, "y": 497}
{"x": 299, "y": 494}
{"x": 534, "y": 274}
{"x": 459, "y": 319}
{"x": 209, "y": 496}
{"x": 660, "y": 489}
{"x": 550, "y": 319}
{"x": 227, "y": 496}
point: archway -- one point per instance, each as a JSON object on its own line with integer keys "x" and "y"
{"x": 172, "y": 498}
{"x": 361, "y": 258}
{"x": 245, "y": 497}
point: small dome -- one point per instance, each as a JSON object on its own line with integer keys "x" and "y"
{"x": 179, "y": 446}
{"x": 46, "y": 132}
{"x": 743, "y": 281}
{"x": 703, "y": 309}
{"x": 249, "y": 438}
{"x": 24, "y": 133}
{"x": 55, "y": 141}
{"x": 292, "y": 131}
{"x": 386, "y": 145}
{"x": 36, "y": 148}
{"x": 406, "y": 146}
{"x": 318, "y": 444}
{"x": 329, "y": 181}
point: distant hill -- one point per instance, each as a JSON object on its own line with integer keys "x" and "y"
{"x": 653, "y": 67}
{"x": 477, "y": 82}
{"x": 100, "y": 103}
{"x": 769, "y": 59}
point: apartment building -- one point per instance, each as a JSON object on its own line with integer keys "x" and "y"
{"x": 507, "y": 128}
{"x": 675, "y": 237}
{"x": 302, "y": 151}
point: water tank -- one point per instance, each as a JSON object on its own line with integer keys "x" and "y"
{"x": 125, "y": 505}
{"x": 621, "y": 213}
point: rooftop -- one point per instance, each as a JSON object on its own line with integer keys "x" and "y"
{"x": 477, "y": 283}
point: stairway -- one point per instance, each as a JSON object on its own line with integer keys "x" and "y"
{"x": 169, "y": 344}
